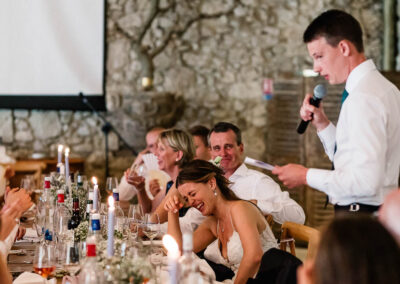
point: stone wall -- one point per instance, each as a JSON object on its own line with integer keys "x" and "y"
{"x": 207, "y": 60}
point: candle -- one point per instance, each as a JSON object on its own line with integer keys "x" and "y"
{"x": 110, "y": 233}
{"x": 67, "y": 164}
{"x": 173, "y": 256}
{"x": 60, "y": 147}
{"x": 95, "y": 194}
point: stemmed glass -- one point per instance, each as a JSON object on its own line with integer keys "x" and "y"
{"x": 28, "y": 183}
{"x": 111, "y": 183}
{"x": 44, "y": 260}
{"x": 135, "y": 219}
{"x": 71, "y": 256}
{"x": 151, "y": 228}
{"x": 39, "y": 221}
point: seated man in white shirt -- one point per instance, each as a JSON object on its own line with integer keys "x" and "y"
{"x": 127, "y": 191}
{"x": 225, "y": 141}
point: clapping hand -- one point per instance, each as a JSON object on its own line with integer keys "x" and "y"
{"x": 20, "y": 196}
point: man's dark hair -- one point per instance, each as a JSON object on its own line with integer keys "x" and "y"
{"x": 221, "y": 127}
{"x": 200, "y": 131}
{"x": 334, "y": 26}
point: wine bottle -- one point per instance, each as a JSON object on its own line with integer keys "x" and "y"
{"x": 76, "y": 218}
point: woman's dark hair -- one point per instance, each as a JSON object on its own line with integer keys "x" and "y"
{"x": 200, "y": 171}
{"x": 357, "y": 249}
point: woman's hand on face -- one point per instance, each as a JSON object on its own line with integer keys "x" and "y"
{"x": 173, "y": 203}
{"x": 134, "y": 179}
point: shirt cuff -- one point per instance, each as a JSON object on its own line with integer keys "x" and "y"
{"x": 316, "y": 178}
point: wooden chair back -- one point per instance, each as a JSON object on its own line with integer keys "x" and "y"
{"x": 292, "y": 231}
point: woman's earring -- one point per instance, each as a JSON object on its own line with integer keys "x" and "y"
{"x": 215, "y": 192}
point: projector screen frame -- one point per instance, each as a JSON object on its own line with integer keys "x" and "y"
{"x": 62, "y": 102}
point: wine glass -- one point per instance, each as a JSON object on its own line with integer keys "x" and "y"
{"x": 44, "y": 260}
{"x": 151, "y": 226}
{"x": 28, "y": 183}
{"x": 71, "y": 256}
{"x": 39, "y": 224}
{"x": 111, "y": 183}
{"x": 135, "y": 219}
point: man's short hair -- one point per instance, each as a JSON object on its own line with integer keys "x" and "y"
{"x": 200, "y": 131}
{"x": 222, "y": 127}
{"x": 334, "y": 26}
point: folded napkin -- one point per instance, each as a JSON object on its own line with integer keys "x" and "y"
{"x": 30, "y": 233}
{"x": 155, "y": 243}
{"x": 30, "y": 278}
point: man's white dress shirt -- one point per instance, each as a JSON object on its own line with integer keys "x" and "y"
{"x": 367, "y": 158}
{"x": 250, "y": 184}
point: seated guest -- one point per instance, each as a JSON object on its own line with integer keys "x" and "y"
{"x": 200, "y": 140}
{"x": 225, "y": 140}
{"x": 346, "y": 255}
{"x": 389, "y": 214}
{"x": 234, "y": 234}
{"x": 174, "y": 150}
{"x": 128, "y": 191}
{"x": 17, "y": 201}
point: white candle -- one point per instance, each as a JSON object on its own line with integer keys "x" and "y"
{"x": 173, "y": 256}
{"x": 60, "y": 147}
{"x": 95, "y": 194}
{"x": 67, "y": 164}
{"x": 111, "y": 221}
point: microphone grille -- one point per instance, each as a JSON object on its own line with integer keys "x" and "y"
{"x": 320, "y": 91}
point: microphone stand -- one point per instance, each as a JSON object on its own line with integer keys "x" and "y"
{"x": 106, "y": 128}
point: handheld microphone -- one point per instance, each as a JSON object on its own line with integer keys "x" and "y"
{"x": 319, "y": 94}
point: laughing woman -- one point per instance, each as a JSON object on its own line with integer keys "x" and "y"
{"x": 234, "y": 234}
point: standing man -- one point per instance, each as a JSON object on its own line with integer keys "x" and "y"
{"x": 225, "y": 140}
{"x": 364, "y": 147}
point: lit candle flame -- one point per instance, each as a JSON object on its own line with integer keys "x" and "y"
{"x": 60, "y": 147}
{"x": 111, "y": 202}
{"x": 94, "y": 180}
{"x": 170, "y": 244}
{"x": 67, "y": 151}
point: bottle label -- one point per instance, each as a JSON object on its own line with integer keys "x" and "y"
{"x": 90, "y": 250}
{"x": 116, "y": 196}
{"x": 60, "y": 198}
{"x": 96, "y": 225}
{"x": 46, "y": 184}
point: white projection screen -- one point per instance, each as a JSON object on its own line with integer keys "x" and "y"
{"x": 50, "y": 52}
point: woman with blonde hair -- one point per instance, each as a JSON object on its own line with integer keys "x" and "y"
{"x": 174, "y": 150}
